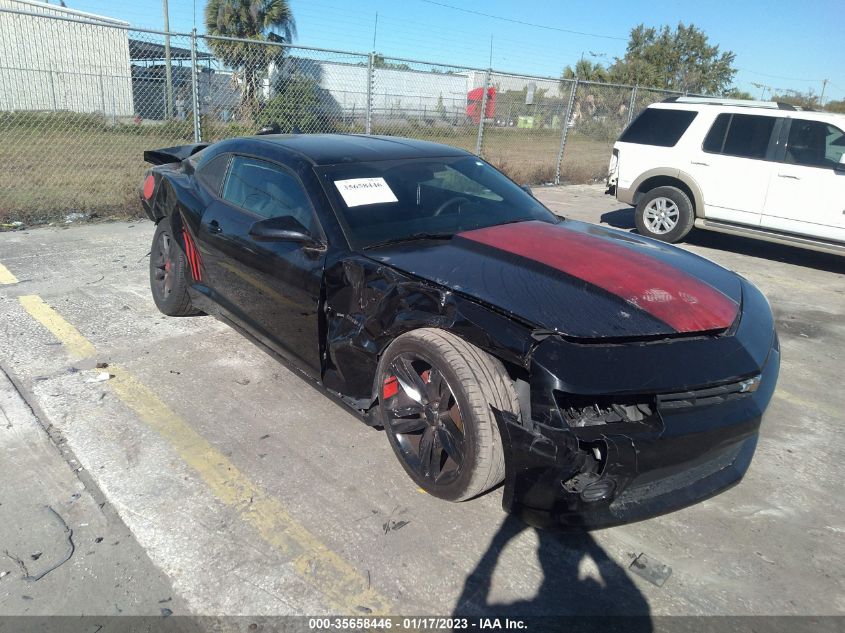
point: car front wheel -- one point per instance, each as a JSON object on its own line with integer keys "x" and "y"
{"x": 664, "y": 213}
{"x": 437, "y": 394}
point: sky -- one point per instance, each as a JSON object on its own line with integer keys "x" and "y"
{"x": 781, "y": 44}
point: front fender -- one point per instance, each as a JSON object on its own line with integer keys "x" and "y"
{"x": 369, "y": 304}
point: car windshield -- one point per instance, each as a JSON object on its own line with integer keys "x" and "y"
{"x": 383, "y": 202}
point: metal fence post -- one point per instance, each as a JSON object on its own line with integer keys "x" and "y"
{"x": 102, "y": 95}
{"x": 480, "y": 137}
{"x": 632, "y": 105}
{"x": 368, "y": 125}
{"x": 565, "y": 132}
{"x": 53, "y": 90}
{"x": 195, "y": 85}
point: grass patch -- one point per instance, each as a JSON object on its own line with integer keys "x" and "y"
{"x": 58, "y": 163}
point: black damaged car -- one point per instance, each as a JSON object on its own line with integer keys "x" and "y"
{"x": 603, "y": 376}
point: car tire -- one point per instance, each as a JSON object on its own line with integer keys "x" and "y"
{"x": 169, "y": 274}
{"x": 677, "y": 219}
{"x": 475, "y": 383}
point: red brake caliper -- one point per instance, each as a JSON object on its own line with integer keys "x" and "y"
{"x": 391, "y": 387}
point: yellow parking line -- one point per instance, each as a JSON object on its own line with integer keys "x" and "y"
{"x": 316, "y": 564}
{"x": 76, "y": 344}
{"x": 6, "y": 276}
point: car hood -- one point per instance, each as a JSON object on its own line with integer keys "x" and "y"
{"x": 579, "y": 280}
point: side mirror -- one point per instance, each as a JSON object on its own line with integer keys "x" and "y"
{"x": 527, "y": 189}
{"x": 283, "y": 229}
{"x": 840, "y": 168}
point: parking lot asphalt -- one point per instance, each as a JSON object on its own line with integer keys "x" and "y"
{"x": 249, "y": 492}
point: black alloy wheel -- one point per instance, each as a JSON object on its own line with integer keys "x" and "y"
{"x": 169, "y": 274}
{"x": 424, "y": 419}
{"x": 163, "y": 262}
{"x": 438, "y": 398}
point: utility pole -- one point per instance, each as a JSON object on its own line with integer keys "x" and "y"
{"x": 762, "y": 87}
{"x": 821, "y": 98}
{"x": 167, "y": 65}
{"x": 375, "y": 30}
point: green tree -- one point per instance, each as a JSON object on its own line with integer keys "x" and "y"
{"x": 253, "y": 20}
{"x": 736, "y": 93}
{"x": 680, "y": 59}
{"x": 835, "y": 106}
{"x": 380, "y": 62}
{"x": 586, "y": 70}
{"x": 808, "y": 100}
{"x": 300, "y": 105}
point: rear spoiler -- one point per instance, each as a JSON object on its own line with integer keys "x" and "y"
{"x": 172, "y": 154}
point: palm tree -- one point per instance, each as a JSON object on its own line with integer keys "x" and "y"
{"x": 253, "y": 20}
{"x": 585, "y": 70}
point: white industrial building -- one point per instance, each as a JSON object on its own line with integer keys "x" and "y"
{"x": 57, "y": 64}
{"x": 394, "y": 92}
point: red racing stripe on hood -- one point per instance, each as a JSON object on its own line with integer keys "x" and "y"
{"x": 680, "y": 300}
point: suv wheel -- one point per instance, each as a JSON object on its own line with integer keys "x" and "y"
{"x": 664, "y": 213}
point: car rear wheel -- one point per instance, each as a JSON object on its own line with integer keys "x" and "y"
{"x": 436, "y": 393}
{"x": 664, "y": 213}
{"x": 168, "y": 274}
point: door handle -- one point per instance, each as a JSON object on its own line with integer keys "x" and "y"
{"x": 214, "y": 227}
{"x": 698, "y": 162}
{"x": 788, "y": 176}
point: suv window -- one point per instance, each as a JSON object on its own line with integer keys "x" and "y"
{"x": 212, "y": 172}
{"x": 814, "y": 144}
{"x": 743, "y": 135}
{"x": 266, "y": 190}
{"x": 658, "y": 126}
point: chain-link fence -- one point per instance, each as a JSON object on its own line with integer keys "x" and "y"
{"x": 82, "y": 97}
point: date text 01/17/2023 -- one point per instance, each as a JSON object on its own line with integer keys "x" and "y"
{"x": 416, "y": 623}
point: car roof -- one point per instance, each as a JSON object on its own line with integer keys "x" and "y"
{"x": 331, "y": 149}
{"x": 813, "y": 115}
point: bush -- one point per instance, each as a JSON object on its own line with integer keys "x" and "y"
{"x": 300, "y": 105}
{"x": 607, "y": 129}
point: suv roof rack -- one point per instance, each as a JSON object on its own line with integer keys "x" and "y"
{"x": 743, "y": 103}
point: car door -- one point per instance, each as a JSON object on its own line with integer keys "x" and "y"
{"x": 732, "y": 166}
{"x": 807, "y": 190}
{"x": 269, "y": 287}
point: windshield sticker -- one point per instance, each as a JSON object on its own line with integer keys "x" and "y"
{"x": 359, "y": 191}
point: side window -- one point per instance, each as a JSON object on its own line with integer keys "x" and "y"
{"x": 658, "y": 126}
{"x": 814, "y": 144}
{"x": 715, "y": 140}
{"x": 266, "y": 190}
{"x": 212, "y": 172}
{"x": 743, "y": 135}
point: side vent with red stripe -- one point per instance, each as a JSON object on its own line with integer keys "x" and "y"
{"x": 193, "y": 255}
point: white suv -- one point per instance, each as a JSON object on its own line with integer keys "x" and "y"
{"x": 753, "y": 168}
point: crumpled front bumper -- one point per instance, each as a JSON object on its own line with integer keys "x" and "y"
{"x": 607, "y": 474}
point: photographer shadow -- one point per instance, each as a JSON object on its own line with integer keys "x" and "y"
{"x": 563, "y": 593}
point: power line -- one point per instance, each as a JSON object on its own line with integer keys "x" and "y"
{"x": 539, "y": 26}
{"x": 754, "y": 72}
